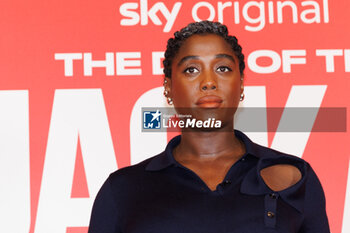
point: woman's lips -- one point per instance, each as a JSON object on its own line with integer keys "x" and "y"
{"x": 209, "y": 101}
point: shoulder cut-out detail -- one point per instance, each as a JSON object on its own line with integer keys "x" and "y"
{"x": 281, "y": 176}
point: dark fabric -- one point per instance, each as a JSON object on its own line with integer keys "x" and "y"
{"x": 159, "y": 195}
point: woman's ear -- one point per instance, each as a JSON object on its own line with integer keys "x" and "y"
{"x": 242, "y": 84}
{"x": 167, "y": 90}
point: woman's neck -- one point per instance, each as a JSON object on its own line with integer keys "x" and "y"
{"x": 208, "y": 145}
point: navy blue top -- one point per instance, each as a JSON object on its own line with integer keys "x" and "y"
{"x": 159, "y": 195}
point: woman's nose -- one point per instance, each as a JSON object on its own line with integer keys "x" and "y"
{"x": 208, "y": 83}
{"x": 208, "y": 87}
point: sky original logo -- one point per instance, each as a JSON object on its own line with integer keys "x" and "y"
{"x": 238, "y": 12}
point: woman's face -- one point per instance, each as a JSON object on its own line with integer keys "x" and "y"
{"x": 205, "y": 74}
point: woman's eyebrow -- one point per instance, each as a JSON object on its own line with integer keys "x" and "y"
{"x": 187, "y": 58}
{"x": 223, "y": 55}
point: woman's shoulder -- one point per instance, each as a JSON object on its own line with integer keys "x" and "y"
{"x": 269, "y": 156}
{"x": 132, "y": 172}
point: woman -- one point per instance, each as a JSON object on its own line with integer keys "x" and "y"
{"x": 214, "y": 180}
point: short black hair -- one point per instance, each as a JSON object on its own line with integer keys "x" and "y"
{"x": 197, "y": 28}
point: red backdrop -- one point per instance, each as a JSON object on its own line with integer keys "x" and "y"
{"x": 66, "y": 123}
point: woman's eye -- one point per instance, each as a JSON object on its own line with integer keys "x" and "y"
{"x": 223, "y": 69}
{"x": 191, "y": 70}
